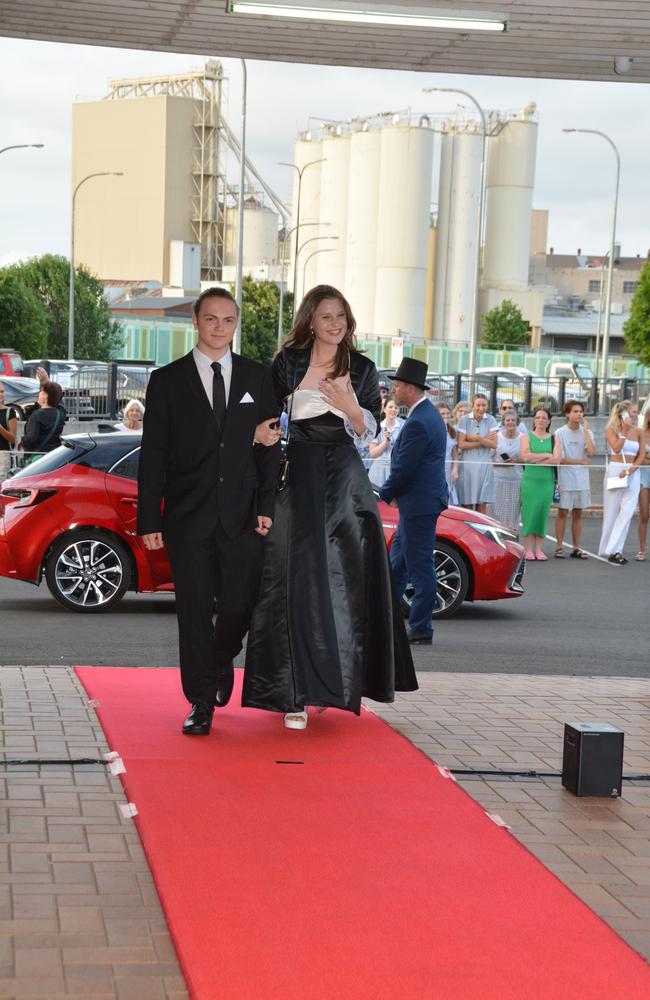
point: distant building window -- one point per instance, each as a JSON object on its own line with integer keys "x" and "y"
{"x": 594, "y": 286}
{"x": 630, "y": 287}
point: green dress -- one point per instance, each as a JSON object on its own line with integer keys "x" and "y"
{"x": 537, "y": 488}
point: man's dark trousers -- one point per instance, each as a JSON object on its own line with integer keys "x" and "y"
{"x": 412, "y": 560}
{"x": 219, "y": 568}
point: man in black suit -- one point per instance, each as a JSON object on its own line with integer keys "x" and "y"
{"x": 218, "y": 481}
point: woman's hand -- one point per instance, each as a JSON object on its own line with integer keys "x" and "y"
{"x": 340, "y": 394}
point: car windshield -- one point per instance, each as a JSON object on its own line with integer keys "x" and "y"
{"x": 68, "y": 452}
{"x": 583, "y": 372}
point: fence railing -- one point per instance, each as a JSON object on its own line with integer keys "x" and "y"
{"x": 532, "y": 391}
{"x": 101, "y": 391}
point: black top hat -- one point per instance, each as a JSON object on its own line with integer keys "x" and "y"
{"x": 412, "y": 371}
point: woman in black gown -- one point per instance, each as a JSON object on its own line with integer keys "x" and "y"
{"x": 327, "y": 630}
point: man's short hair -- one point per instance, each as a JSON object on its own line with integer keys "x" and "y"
{"x": 570, "y": 403}
{"x": 214, "y": 293}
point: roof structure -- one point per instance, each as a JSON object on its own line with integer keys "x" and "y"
{"x": 584, "y": 40}
{"x": 558, "y": 261}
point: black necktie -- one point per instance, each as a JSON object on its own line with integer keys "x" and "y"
{"x": 218, "y": 395}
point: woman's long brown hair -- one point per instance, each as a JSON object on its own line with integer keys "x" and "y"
{"x": 301, "y": 335}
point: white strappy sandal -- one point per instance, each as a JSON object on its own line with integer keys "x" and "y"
{"x": 296, "y": 720}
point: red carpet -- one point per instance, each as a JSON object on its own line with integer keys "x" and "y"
{"x": 358, "y": 874}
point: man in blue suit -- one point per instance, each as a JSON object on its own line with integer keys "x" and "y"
{"x": 416, "y": 485}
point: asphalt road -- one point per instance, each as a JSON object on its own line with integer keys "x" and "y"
{"x": 583, "y": 618}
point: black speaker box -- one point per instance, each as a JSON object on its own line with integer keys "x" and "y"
{"x": 592, "y": 763}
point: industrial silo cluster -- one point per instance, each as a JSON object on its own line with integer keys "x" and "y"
{"x": 367, "y": 226}
{"x": 365, "y": 216}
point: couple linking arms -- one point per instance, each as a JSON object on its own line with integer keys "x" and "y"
{"x": 304, "y": 571}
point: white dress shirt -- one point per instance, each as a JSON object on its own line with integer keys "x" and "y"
{"x": 203, "y": 364}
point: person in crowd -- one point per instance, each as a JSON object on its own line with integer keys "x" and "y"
{"x": 218, "y": 489}
{"x": 477, "y": 439}
{"x": 384, "y": 394}
{"x": 626, "y": 452}
{"x": 44, "y": 426}
{"x": 459, "y": 411}
{"x": 508, "y": 406}
{"x": 451, "y": 456}
{"x": 381, "y": 448}
{"x": 417, "y": 486}
{"x": 8, "y": 432}
{"x": 327, "y": 629}
{"x": 507, "y": 473}
{"x": 133, "y": 416}
{"x": 538, "y": 483}
{"x": 644, "y": 492}
{"x": 573, "y": 451}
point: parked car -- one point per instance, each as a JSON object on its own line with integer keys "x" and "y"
{"x": 21, "y": 393}
{"x": 131, "y": 383}
{"x": 70, "y": 517}
{"x": 476, "y": 559}
{"x": 11, "y": 362}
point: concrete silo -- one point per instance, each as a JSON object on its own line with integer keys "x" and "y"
{"x": 458, "y": 201}
{"x": 510, "y": 180}
{"x": 404, "y": 196}
{"x": 334, "y": 180}
{"x": 361, "y": 244}
{"x": 260, "y": 235}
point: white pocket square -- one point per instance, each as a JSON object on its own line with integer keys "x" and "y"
{"x": 247, "y": 398}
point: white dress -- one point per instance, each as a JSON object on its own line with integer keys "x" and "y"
{"x": 507, "y": 483}
{"x": 478, "y": 478}
{"x": 380, "y": 467}
{"x": 619, "y": 505}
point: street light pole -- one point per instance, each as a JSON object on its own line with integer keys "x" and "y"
{"x": 23, "y": 145}
{"x": 103, "y": 173}
{"x": 239, "y": 281}
{"x": 476, "y": 305}
{"x": 322, "y": 250}
{"x": 287, "y": 235}
{"x": 301, "y": 248}
{"x": 610, "y": 271}
{"x": 300, "y": 171}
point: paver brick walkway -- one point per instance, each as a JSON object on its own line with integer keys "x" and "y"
{"x": 80, "y": 916}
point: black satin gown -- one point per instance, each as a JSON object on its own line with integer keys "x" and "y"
{"x": 327, "y": 630}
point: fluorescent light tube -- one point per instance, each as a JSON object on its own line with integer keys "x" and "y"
{"x": 356, "y": 13}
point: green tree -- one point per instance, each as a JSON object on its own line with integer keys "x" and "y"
{"x": 503, "y": 327}
{"x": 637, "y": 327}
{"x": 23, "y": 321}
{"x": 97, "y": 334}
{"x": 259, "y": 323}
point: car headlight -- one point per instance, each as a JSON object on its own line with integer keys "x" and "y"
{"x": 498, "y": 535}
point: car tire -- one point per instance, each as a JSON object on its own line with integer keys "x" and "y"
{"x": 88, "y": 571}
{"x": 452, "y": 577}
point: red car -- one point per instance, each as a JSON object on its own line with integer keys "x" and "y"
{"x": 70, "y": 517}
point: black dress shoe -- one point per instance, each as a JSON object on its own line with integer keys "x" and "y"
{"x": 199, "y": 721}
{"x": 418, "y": 639}
{"x": 225, "y": 685}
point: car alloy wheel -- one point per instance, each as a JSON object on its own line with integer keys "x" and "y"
{"x": 88, "y": 571}
{"x": 452, "y": 582}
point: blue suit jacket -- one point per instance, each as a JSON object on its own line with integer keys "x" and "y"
{"x": 417, "y": 470}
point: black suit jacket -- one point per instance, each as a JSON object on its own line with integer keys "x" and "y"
{"x": 204, "y": 476}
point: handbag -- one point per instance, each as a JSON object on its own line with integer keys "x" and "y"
{"x": 616, "y": 482}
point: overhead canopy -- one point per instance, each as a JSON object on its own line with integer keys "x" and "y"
{"x": 564, "y": 39}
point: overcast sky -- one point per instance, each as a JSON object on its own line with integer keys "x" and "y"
{"x": 575, "y": 174}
